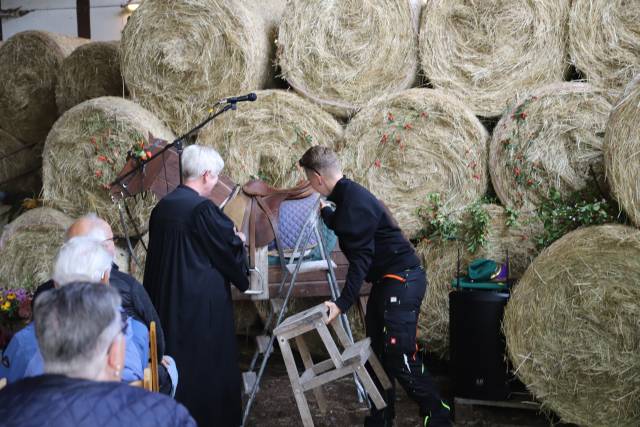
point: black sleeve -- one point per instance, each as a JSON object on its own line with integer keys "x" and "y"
{"x": 149, "y": 312}
{"x": 356, "y": 227}
{"x": 327, "y": 216}
{"x": 224, "y": 248}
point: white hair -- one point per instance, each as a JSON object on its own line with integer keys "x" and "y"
{"x": 198, "y": 159}
{"x": 82, "y": 258}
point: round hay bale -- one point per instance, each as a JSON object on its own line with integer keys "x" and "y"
{"x": 29, "y": 65}
{"x": 571, "y": 327}
{"x": 550, "y": 140}
{"x": 91, "y": 71}
{"x": 180, "y": 57}
{"x": 266, "y": 138}
{"x": 28, "y": 247}
{"x": 440, "y": 260}
{"x": 621, "y": 145}
{"x": 485, "y": 52}
{"x": 604, "y": 40}
{"x": 417, "y": 142}
{"x": 87, "y": 148}
{"x": 20, "y": 165}
{"x": 340, "y": 54}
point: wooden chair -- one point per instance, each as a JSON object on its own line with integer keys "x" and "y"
{"x": 150, "y": 380}
{"x": 351, "y": 360}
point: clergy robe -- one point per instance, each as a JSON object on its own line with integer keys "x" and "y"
{"x": 193, "y": 257}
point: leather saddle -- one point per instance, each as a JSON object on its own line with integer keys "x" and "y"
{"x": 254, "y": 209}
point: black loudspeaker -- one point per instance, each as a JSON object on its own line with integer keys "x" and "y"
{"x": 477, "y": 345}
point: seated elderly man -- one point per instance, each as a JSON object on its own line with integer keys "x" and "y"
{"x": 80, "y": 259}
{"x": 80, "y": 333}
{"x": 135, "y": 300}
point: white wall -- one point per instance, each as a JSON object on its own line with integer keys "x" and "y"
{"x": 59, "y": 16}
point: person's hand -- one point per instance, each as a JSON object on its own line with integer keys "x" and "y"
{"x": 334, "y": 311}
{"x": 166, "y": 362}
{"x": 241, "y": 236}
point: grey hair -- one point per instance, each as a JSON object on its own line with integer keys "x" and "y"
{"x": 83, "y": 259}
{"x": 75, "y": 325}
{"x": 198, "y": 159}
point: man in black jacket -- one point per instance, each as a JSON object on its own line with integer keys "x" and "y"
{"x": 379, "y": 253}
{"x": 135, "y": 299}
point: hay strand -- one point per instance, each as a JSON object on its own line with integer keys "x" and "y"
{"x": 180, "y": 57}
{"x": 28, "y": 246}
{"x": 550, "y": 140}
{"x": 604, "y": 41}
{"x": 417, "y": 142}
{"x": 20, "y": 165}
{"x": 440, "y": 260}
{"x": 91, "y": 71}
{"x": 29, "y": 65}
{"x": 87, "y": 148}
{"x": 485, "y": 52}
{"x": 621, "y": 146}
{"x": 572, "y": 327}
{"x": 341, "y": 54}
{"x": 267, "y": 137}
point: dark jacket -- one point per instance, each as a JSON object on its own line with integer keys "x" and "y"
{"x": 369, "y": 237}
{"x": 60, "y": 401}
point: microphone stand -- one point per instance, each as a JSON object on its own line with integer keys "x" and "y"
{"x": 177, "y": 143}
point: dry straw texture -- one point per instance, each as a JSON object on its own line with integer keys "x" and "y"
{"x": 266, "y": 138}
{"x": 87, "y": 148}
{"x": 414, "y": 143}
{"x": 180, "y": 56}
{"x": 28, "y": 247}
{"x": 91, "y": 71}
{"x": 621, "y": 147}
{"x": 340, "y": 54}
{"x": 487, "y": 51}
{"x": 29, "y": 65}
{"x": 604, "y": 40}
{"x": 551, "y": 139}
{"x": 572, "y": 327}
{"x": 20, "y": 165}
{"x": 440, "y": 260}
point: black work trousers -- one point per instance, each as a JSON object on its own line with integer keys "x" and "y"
{"x": 391, "y": 323}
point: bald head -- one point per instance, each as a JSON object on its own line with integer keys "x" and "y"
{"x": 92, "y": 226}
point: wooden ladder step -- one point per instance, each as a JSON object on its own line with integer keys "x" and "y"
{"x": 263, "y": 343}
{"x": 309, "y": 266}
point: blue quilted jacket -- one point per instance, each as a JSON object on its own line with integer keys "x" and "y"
{"x": 60, "y": 401}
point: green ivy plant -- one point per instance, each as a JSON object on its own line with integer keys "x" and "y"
{"x": 561, "y": 215}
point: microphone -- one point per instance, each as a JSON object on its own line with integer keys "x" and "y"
{"x": 249, "y": 97}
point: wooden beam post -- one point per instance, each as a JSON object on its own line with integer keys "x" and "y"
{"x": 83, "y": 15}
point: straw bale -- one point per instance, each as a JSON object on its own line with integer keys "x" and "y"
{"x": 84, "y": 152}
{"x": 572, "y": 325}
{"x": 91, "y": 71}
{"x": 440, "y": 260}
{"x": 267, "y": 137}
{"x": 20, "y": 165}
{"x": 551, "y": 139}
{"x": 29, "y": 65}
{"x": 621, "y": 146}
{"x": 485, "y": 52}
{"x": 122, "y": 258}
{"x": 180, "y": 57}
{"x": 28, "y": 247}
{"x": 140, "y": 254}
{"x": 417, "y": 142}
{"x": 604, "y": 41}
{"x": 340, "y": 54}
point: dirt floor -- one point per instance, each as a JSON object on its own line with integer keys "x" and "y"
{"x": 275, "y": 404}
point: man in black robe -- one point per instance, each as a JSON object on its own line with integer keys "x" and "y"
{"x": 194, "y": 254}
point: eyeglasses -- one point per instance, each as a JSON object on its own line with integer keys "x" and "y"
{"x": 309, "y": 167}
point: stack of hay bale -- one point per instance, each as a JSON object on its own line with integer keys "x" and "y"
{"x": 424, "y": 100}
